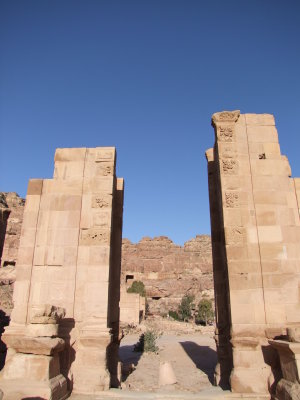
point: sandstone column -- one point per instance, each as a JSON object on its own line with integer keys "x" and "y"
{"x": 255, "y": 231}
{"x": 69, "y": 252}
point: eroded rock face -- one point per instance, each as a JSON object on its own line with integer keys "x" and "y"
{"x": 11, "y": 216}
{"x": 169, "y": 271}
{"x": 13, "y": 230}
{"x": 15, "y": 204}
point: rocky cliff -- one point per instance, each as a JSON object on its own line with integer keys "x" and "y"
{"x": 13, "y": 230}
{"x": 169, "y": 271}
{"x": 11, "y": 217}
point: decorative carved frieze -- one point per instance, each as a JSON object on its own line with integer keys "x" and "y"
{"x": 231, "y": 199}
{"x": 229, "y": 166}
{"x": 94, "y": 237}
{"x": 101, "y": 201}
{"x": 225, "y": 133}
{"x": 225, "y": 116}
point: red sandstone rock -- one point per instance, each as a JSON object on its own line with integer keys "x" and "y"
{"x": 169, "y": 271}
{"x": 13, "y": 230}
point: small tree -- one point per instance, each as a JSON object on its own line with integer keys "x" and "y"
{"x": 174, "y": 315}
{"x": 147, "y": 342}
{"x": 185, "y": 307}
{"x": 205, "y": 311}
{"x": 137, "y": 287}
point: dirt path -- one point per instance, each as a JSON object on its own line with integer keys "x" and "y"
{"x": 192, "y": 356}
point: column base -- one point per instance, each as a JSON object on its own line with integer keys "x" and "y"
{"x": 53, "y": 389}
{"x": 90, "y": 373}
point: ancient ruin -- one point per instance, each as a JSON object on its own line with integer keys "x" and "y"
{"x": 255, "y": 226}
{"x": 132, "y": 308}
{"x": 64, "y": 329}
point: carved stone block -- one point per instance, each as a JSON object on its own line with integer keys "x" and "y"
{"x": 46, "y": 314}
{"x": 225, "y": 116}
{"x": 105, "y": 169}
{"x": 226, "y": 133}
{"x": 235, "y": 235}
{"x": 227, "y": 150}
{"x": 101, "y": 201}
{"x": 229, "y": 166}
{"x": 94, "y": 237}
{"x": 104, "y": 155}
{"x": 102, "y": 219}
{"x": 231, "y": 199}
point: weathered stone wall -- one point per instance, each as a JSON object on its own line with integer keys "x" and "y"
{"x": 167, "y": 270}
{"x": 14, "y": 206}
{"x": 67, "y": 289}
{"x": 132, "y": 308}
{"x": 13, "y": 230}
{"x": 255, "y": 236}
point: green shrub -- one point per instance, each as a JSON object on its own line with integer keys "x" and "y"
{"x": 147, "y": 342}
{"x": 174, "y": 315}
{"x": 185, "y": 307}
{"x": 205, "y": 311}
{"x": 137, "y": 287}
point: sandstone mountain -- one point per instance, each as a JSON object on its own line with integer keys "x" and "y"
{"x": 169, "y": 271}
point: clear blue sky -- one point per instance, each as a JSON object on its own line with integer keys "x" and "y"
{"x": 144, "y": 76}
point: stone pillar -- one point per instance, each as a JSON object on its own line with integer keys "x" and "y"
{"x": 70, "y": 233}
{"x": 220, "y": 272}
{"x": 255, "y": 222}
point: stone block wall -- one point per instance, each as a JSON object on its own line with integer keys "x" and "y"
{"x": 70, "y": 258}
{"x": 255, "y": 240}
{"x": 132, "y": 308}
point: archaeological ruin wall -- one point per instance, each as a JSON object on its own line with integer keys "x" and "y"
{"x": 255, "y": 225}
{"x": 64, "y": 330}
{"x": 169, "y": 271}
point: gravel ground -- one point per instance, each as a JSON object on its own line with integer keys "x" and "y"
{"x": 192, "y": 356}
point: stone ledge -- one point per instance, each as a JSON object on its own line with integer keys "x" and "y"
{"x": 32, "y": 345}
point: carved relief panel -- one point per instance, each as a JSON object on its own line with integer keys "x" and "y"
{"x": 229, "y": 166}
{"x": 101, "y": 201}
{"x": 94, "y": 237}
{"x": 231, "y": 199}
